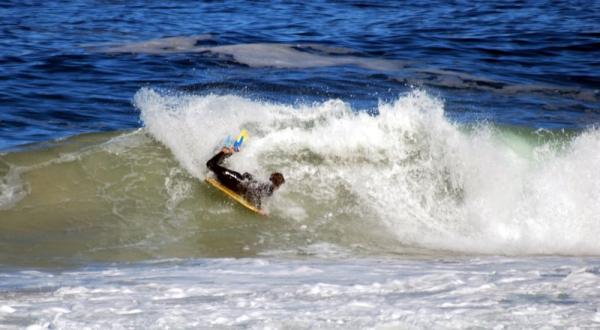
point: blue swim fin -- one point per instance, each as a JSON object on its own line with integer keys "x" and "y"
{"x": 228, "y": 141}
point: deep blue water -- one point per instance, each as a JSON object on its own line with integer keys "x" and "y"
{"x": 532, "y": 64}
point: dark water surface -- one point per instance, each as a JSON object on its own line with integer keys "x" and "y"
{"x": 528, "y": 63}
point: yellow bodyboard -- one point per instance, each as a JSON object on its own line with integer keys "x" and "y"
{"x": 233, "y": 195}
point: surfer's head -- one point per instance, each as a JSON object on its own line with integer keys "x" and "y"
{"x": 276, "y": 179}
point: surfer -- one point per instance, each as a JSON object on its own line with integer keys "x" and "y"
{"x": 243, "y": 184}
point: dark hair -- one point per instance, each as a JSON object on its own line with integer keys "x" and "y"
{"x": 277, "y": 179}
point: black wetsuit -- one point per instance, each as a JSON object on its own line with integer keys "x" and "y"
{"x": 243, "y": 184}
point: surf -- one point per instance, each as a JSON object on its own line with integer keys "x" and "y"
{"x": 402, "y": 178}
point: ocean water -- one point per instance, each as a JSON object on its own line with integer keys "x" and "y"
{"x": 440, "y": 161}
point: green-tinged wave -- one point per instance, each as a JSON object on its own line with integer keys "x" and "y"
{"x": 121, "y": 197}
{"x": 404, "y": 181}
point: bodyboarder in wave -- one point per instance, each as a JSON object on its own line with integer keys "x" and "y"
{"x": 243, "y": 184}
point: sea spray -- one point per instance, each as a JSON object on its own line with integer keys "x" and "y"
{"x": 400, "y": 178}
{"x": 434, "y": 183}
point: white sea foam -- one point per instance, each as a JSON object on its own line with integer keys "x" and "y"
{"x": 178, "y": 187}
{"x": 12, "y": 189}
{"x": 431, "y": 182}
{"x": 261, "y": 54}
{"x": 360, "y": 293}
{"x": 7, "y": 309}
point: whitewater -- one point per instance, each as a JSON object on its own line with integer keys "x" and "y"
{"x": 406, "y": 168}
{"x": 470, "y": 209}
{"x": 494, "y": 293}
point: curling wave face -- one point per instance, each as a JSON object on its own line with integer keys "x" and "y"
{"x": 401, "y": 179}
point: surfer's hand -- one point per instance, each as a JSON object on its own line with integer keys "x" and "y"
{"x": 228, "y": 150}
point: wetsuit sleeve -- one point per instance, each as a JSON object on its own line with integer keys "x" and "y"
{"x": 230, "y": 179}
{"x": 214, "y": 163}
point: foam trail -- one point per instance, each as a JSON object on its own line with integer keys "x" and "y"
{"x": 309, "y": 55}
{"x": 431, "y": 182}
{"x": 260, "y": 54}
{"x": 12, "y": 189}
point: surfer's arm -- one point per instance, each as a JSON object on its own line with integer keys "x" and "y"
{"x": 216, "y": 161}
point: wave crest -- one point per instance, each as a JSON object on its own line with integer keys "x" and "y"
{"x": 430, "y": 182}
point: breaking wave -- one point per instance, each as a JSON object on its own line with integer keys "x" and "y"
{"x": 430, "y": 182}
{"x": 401, "y": 178}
